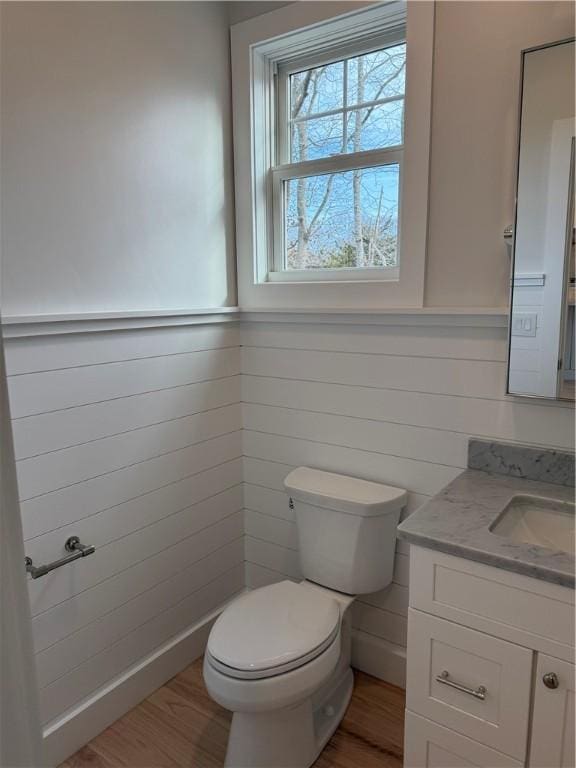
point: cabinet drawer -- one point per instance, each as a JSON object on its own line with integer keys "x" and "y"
{"x": 429, "y": 745}
{"x": 517, "y": 608}
{"x": 473, "y": 683}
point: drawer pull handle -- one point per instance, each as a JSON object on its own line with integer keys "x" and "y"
{"x": 478, "y": 693}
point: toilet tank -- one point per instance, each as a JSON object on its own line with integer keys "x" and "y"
{"x": 346, "y": 529}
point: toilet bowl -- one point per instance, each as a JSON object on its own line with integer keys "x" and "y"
{"x": 278, "y": 657}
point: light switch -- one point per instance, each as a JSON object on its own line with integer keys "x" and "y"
{"x": 524, "y": 323}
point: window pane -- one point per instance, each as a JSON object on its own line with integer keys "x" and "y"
{"x": 376, "y": 79}
{"x": 319, "y": 137}
{"x": 376, "y": 127}
{"x": 347, "y": 219}
{"x": 377, "y": 75}
{"x": 317, "y": 90}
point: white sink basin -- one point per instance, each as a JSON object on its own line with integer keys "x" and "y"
{"x": 536, "y": 520}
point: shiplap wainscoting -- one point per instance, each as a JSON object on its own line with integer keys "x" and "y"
{"x": 392, "y": 403}
{"x": 132, "y": 441}
{"x": 149, "y": 442}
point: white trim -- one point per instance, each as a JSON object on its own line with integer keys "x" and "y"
{"x": 356, "y": 31}
{"x": 557, "y": 241}
{"x": 373, "y": 158}
{"x": 22, "y": 326}
{"x": 77, "y": 727}
{"x": 340, "y": 110}
{"x": 296, "y": 30}
{"x": 344, "y": 274}
{"x": 529, "y": 279}
{"x": 379, "y": 658}
{"x": 354, "y": 21}
{"x": 127, "y": 315}
{"x": 480, "y": 317}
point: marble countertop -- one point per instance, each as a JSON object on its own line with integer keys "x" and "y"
{"x": 458, "y": 519}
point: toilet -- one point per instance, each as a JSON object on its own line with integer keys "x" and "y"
{"x": 278, "y": 657}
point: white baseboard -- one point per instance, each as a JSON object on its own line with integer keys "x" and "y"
{"x": 379, "y": 658}
{"x": 77, "y": 727}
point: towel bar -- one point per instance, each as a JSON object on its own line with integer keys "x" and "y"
{"x": 72, "y": 545}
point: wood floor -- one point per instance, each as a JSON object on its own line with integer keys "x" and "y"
{"x": 179, "y": 726}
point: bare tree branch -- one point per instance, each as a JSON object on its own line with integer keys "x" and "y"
{"x": 381, "y": 89}
{"x": 322, "y": 205}
{"x": 303, "y": 87}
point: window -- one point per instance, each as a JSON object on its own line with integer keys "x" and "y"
{"x": 336, "y": 187}
{"x": 332, "y": 105}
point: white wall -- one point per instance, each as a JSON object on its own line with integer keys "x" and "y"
{"x": 392, "y": 403}
{"x": 105, "y": 158}
{"x": 240, "y": 11}
{"x": 116, "y": 157}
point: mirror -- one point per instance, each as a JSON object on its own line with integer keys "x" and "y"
{"x": 541, "y": 351}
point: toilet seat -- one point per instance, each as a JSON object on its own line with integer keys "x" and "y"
{"x": 273, "y": 630}
{"x": 243, "y": 674}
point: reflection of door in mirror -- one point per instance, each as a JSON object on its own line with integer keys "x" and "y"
{"x": 541, "y": 360}
{"x": 566, "y": 382}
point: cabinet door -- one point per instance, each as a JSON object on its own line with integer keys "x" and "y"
{"x": 429, "y": 745}
{"x": 552, "y": 742}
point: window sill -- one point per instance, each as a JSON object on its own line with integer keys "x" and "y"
{"x": 331, "y": 276}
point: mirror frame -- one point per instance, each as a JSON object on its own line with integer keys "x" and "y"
{"x": 523, "y": 55}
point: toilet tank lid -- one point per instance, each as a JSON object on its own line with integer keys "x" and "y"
{"x": 342, "y": 493}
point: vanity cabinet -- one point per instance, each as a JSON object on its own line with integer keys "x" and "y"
{"x": 490, "y": 667}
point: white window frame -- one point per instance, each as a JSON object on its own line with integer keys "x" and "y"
{"x": 284, "y": 170}
{"x": 292, "y": 33}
